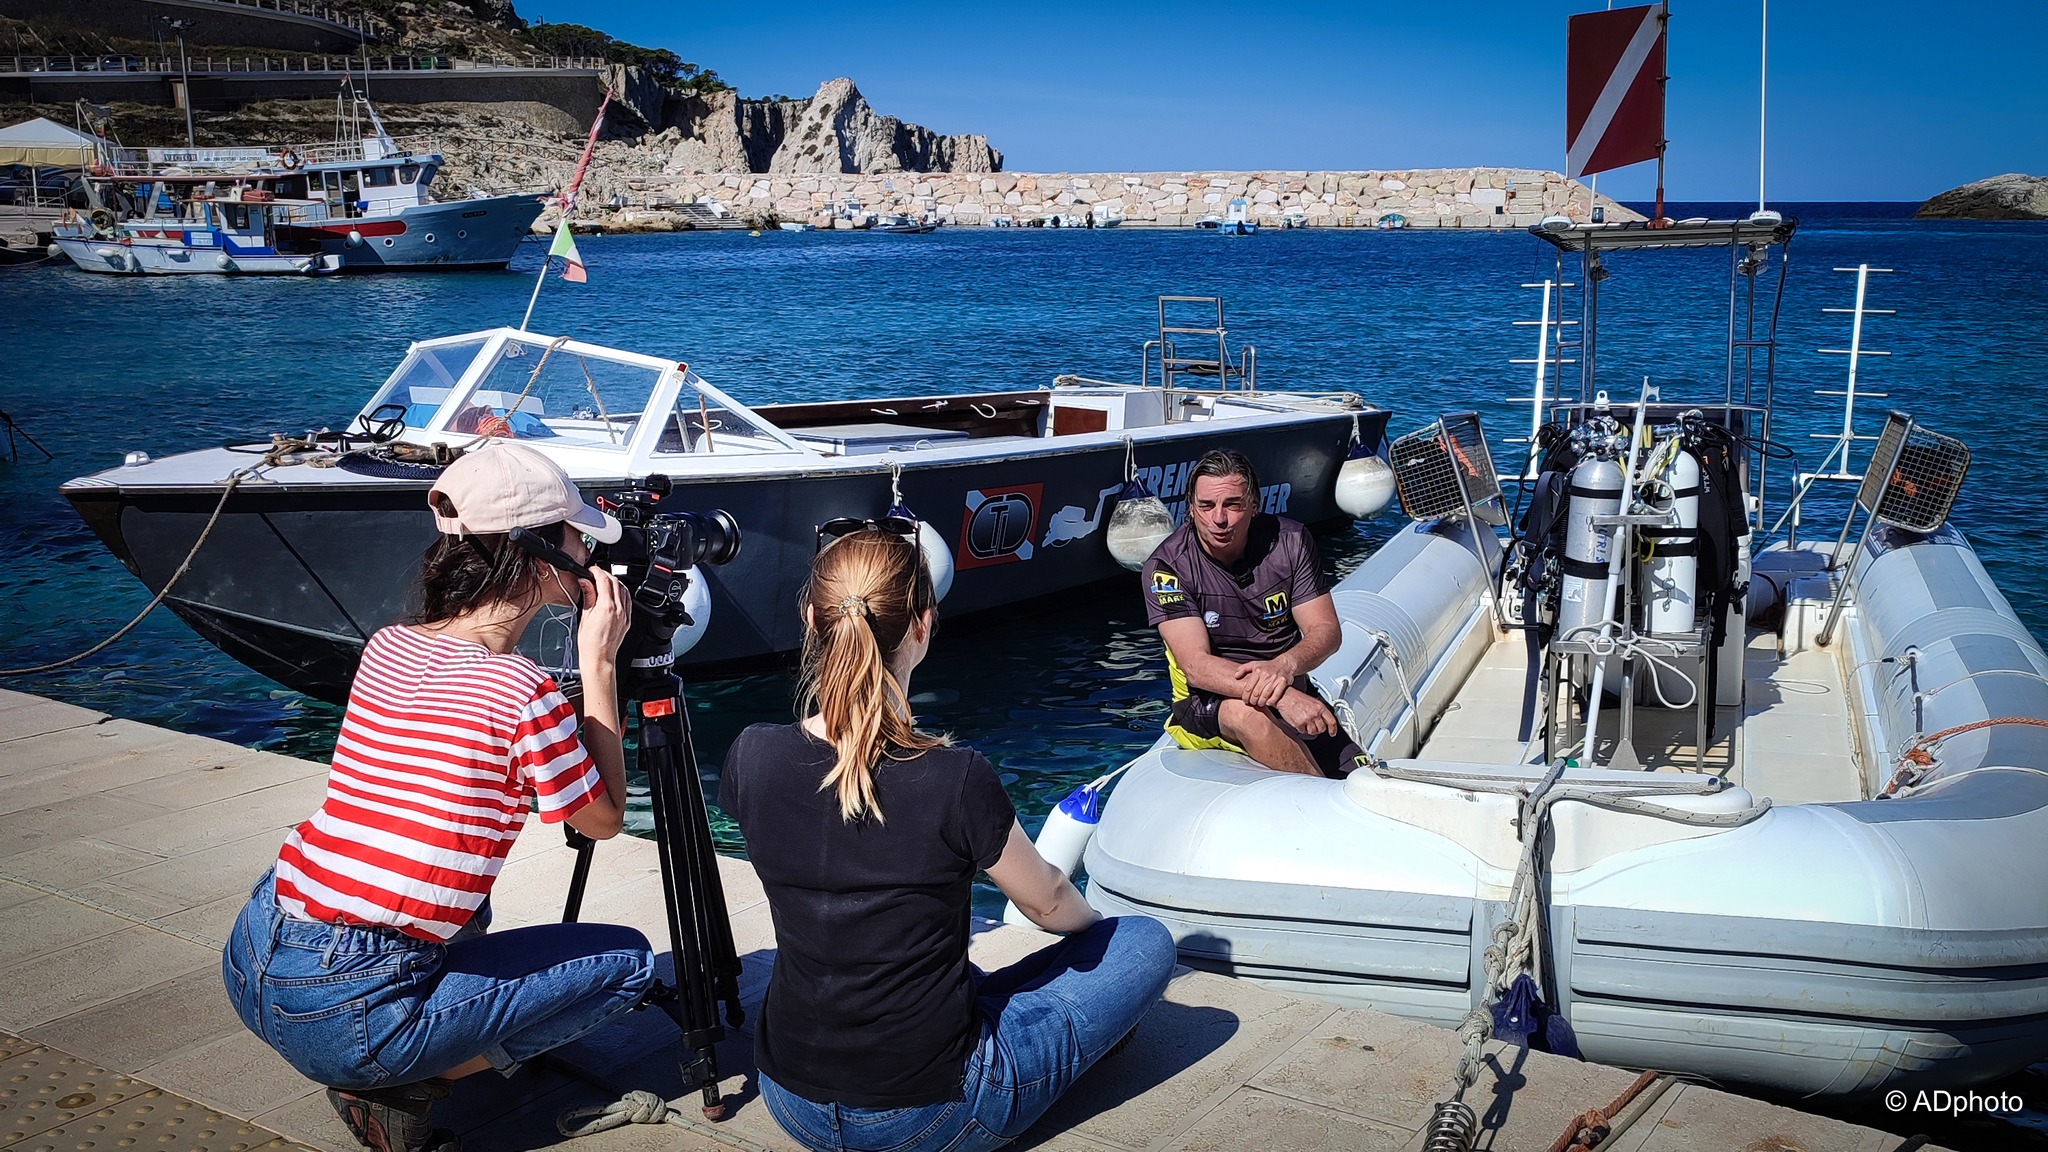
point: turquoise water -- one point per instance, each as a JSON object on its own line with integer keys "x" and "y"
{"x": 97, "y": 366}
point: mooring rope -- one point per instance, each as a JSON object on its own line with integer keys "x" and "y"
{"x": 280, "y": 451}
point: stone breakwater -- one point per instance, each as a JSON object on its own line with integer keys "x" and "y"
{"x": 1421, "y": 198}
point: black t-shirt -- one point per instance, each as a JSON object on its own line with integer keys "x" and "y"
{"x": 1249, "y": 606}
{"x": 871, "y": 1003}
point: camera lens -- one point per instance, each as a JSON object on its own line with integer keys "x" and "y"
{"x": 715, "y": 536}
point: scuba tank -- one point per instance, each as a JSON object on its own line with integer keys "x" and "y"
{"x": 1596, "y": 490}
{"x": 1673, "y": 572}
{"x": 1068, "y": 828}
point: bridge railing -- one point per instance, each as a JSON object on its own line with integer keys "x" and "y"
{"x": 238, "y": 65}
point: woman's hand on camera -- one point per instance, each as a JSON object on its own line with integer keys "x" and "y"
{"x": 607, "y": 613}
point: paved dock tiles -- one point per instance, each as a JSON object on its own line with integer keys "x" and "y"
{"x": 126, "y": 851}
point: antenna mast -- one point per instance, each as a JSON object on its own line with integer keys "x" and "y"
{"x": 1763, "y": 73}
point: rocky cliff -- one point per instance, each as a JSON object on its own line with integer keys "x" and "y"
{"x": 835, "y": 131}
{"x": 2013, "y": 196}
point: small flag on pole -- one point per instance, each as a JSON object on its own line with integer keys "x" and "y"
{"x": 572, "y": 260}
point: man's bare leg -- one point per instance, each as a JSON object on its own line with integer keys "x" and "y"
{"x": 1264, "y": 738}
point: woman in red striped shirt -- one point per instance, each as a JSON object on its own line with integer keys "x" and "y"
{"x": 361, "y": 955}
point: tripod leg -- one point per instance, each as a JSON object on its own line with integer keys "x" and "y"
{"x": 696, "y": 907}
{"x": 585, "y": 849}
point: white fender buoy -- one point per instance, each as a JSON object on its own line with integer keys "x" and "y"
{"x": 697, "y": 603}
{"x": 1068, "y": 828}
{"x": 1137, "y": 525}
{"x": 355, "y": 238}
{"x": 1365, "y": 485}
{"x": 226, "y": 262}
{"x": 938, "y": 559}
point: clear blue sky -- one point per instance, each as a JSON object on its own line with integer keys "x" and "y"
{"x": 1870, "y": 100}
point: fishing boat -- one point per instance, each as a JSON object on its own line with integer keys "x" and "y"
{"x": 797, "y": 226}
{"x": 901, "y": 225}
{"x": 1724, "y": 799}
{"x": 362, "y": 203}
{"x": 318, "y": 538}
{"x": 1237, "y": 219}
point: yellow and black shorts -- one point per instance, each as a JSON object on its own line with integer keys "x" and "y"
{"x": 1195, "y": 725}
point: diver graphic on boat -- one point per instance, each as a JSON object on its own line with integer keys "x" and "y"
{"x": 1068, "y": 524}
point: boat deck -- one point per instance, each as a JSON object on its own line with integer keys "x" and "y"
{"x": 126, "y": 850}
{"x": 1791, "y": 739}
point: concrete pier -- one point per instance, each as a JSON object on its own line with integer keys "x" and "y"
{"x": 126, "y": 850}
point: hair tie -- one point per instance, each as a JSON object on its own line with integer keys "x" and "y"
{"x": 854, "y": 606}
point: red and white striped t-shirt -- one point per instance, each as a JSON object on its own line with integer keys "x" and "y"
{"x": 442, "y": 744}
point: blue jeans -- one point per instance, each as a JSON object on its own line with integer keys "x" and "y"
{"x": 1045, "y": 1020}
{"x": 363, "y": 1008}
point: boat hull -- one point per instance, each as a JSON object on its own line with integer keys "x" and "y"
{"x": 168, "y": 256}
{"x": 457, "y": 234}
{"x": 299, "y": 572}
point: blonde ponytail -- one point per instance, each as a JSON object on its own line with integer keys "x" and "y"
{"x": 866, "y": 593}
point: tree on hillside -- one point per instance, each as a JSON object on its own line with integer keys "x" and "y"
{"x": 665, "y": 66}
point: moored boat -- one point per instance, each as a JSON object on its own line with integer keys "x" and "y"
{"x": 316, "y": 541}
{"x": 362, "y": 203}
{"x": 1773, "y": 814}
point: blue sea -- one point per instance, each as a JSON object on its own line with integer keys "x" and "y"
{"x": 1420, "y": 322}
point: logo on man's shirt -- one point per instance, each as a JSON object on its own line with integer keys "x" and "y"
{"x": 1166, "y": 588}
{"x": 1276, "y": 607}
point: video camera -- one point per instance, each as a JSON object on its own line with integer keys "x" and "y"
{"x": 652, "y": 558}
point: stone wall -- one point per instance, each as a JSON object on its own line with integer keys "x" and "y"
{"x": 1425, "y": 198}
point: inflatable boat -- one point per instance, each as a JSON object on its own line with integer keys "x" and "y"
{"x": 1739, "y": 804}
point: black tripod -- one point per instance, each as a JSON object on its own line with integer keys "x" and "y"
{"x": 700, "y": 934}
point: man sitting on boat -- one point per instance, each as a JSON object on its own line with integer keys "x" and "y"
{"x": 1238, "y": 596}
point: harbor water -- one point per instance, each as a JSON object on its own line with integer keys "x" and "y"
{"x": 1056, "y": 691}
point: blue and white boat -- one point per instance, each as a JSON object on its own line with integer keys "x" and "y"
{"x": 1237, "y": 219}
{"x": 358, "y": 204}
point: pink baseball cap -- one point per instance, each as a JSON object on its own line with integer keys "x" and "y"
{"x": 501, "y": 486}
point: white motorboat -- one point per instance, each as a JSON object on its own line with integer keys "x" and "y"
{"x": 1802, "y": 846}
{"x": 1017, "y": 490}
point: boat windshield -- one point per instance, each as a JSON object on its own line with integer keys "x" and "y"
{"x": 573, "y": 394}
{"x": 426, "y": 379}
{"x": 708, "y": 422}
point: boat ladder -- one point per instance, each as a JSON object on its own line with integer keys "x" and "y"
{"x": 1835, "y": 468}
{"x": 1184, "y": 316}
{"x": 1557, "y": 344}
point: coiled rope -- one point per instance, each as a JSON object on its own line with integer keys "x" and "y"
{"x": 281, "y": 451}
{"x": 1918, "y": 759}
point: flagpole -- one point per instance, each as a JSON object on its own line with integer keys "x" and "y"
{"x": 537, "y": 282}
{"x": 568, "y": 202}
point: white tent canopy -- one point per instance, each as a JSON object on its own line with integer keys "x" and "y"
{"x": 47, "y": 144}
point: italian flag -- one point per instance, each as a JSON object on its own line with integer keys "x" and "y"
{"x": 572, "y": 260}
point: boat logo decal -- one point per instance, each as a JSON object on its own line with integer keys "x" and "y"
{"x": 999, "y": 525}
{"x": 1166, "y": 588}
{"x": 1073, "y": 521}
{"x": 1276, "y": 607}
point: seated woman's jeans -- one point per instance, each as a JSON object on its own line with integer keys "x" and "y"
{"x": 1045, "y": 1020}
{"x": 360, "y": 1008}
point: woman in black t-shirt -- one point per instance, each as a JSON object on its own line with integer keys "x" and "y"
{"x": 876, "y": 1032}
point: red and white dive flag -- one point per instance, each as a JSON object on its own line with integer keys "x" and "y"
{"x": 1614, "y": 89}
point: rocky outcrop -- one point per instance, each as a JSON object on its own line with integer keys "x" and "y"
{"x": 835, "y": 131}
{"x": 2013, "y": 196}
